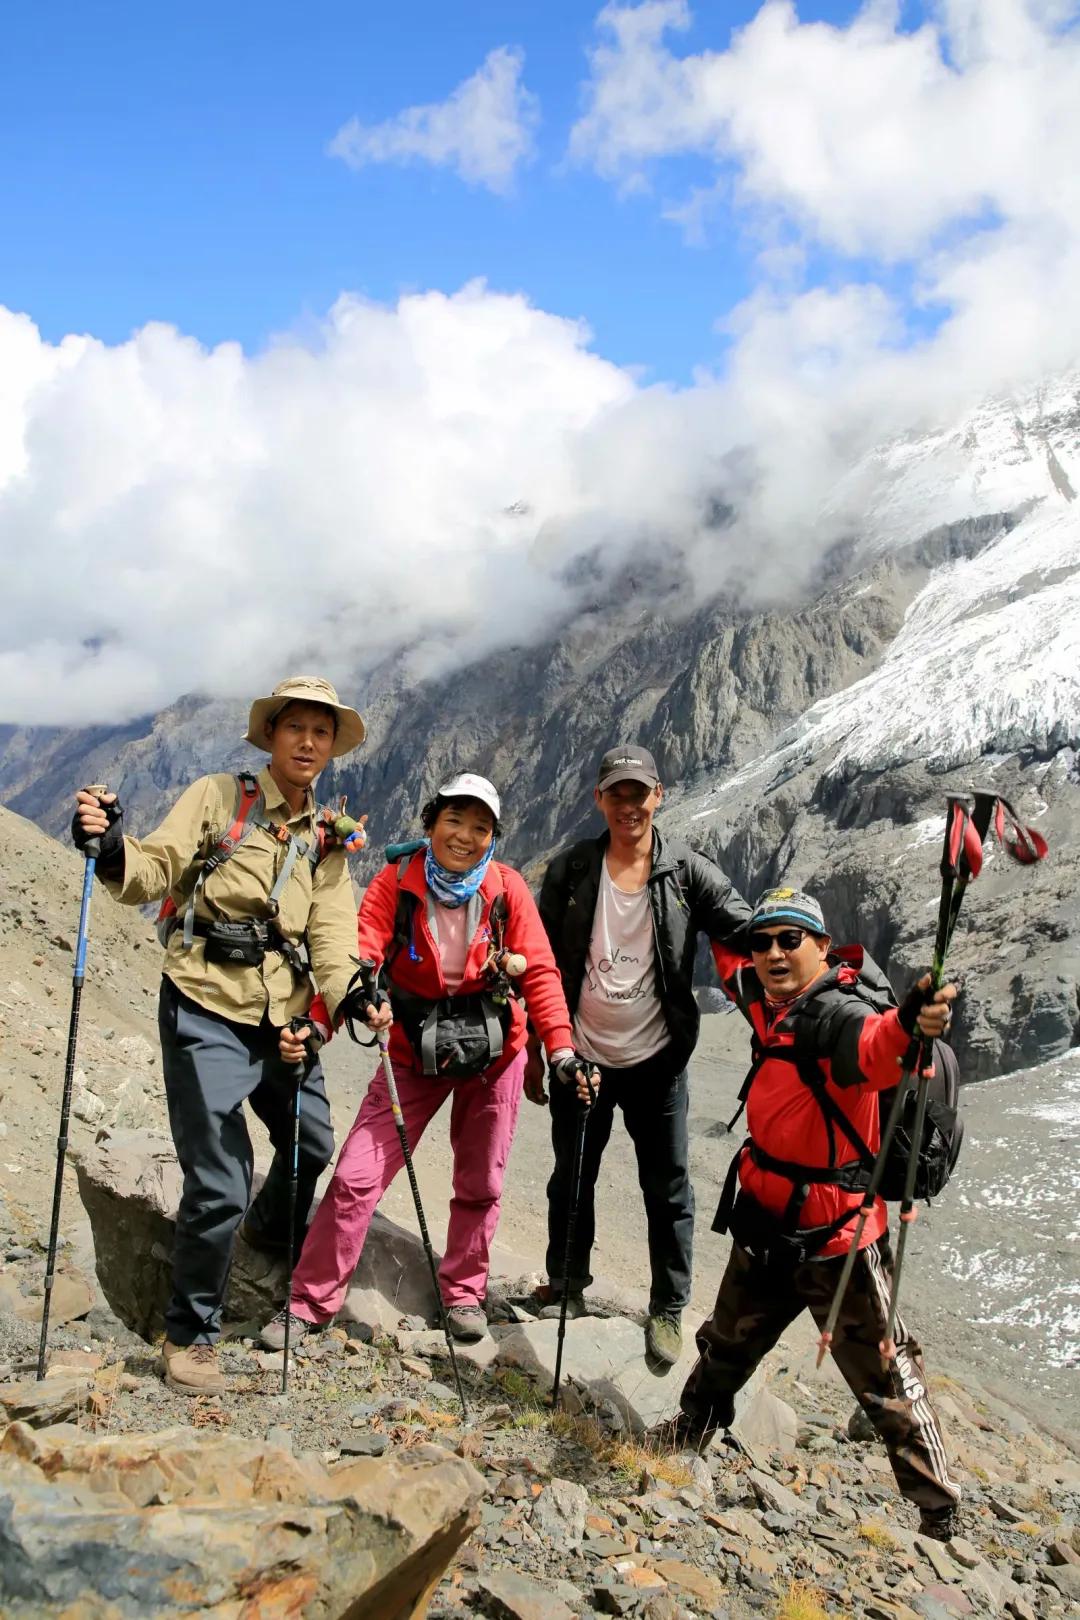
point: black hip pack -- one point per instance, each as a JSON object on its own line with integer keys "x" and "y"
{"x": 455, "y": 1038}
{"x": 235, "y": 944}
{"x": 768, "y": 1240}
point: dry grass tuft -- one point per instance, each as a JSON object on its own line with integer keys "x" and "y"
{"x": 801, "y": 1602}
{"x": 879, "y": 1537}
{"x": 624, "y": 1456}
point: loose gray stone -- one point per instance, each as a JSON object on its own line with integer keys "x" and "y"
{"x": 516, "y": 1597}
{"x": 767, "y": 1421}
{"x": 363, "y": 1445}
{"x": 772, "y": 1495}
{"x": 558, "y": 1513}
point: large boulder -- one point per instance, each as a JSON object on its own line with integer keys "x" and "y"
{"x": 130, "y": 1185}
{"x": 183, "y": 1523}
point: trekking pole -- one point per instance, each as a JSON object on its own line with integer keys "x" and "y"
{"x": 1026, "y": 848}
{"x": 91, "y": 851}
{"x": 571, "y": 1228}
{"x": 395, "y": 1106}
{"x": 960, "y": 861}
{"x": 298, "y": 1070}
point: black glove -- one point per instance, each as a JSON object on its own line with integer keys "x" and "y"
{"x": 566, "y": 1070}
{"x": 111, "y": 840}
{"x": 912, "y": 1005}
{"x": 314, "y": 1040}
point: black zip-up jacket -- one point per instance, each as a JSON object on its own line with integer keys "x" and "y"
{"x": 688, "y": 895}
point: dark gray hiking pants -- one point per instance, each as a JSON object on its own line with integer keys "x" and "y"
{"x": 211, "y": 1067}
{"x": 654, "y": 1106}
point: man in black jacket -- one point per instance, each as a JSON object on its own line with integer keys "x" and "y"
{"x": 623, "y": 913}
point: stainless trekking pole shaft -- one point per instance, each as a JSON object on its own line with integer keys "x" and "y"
{"x": 294, "y": 1176}
{"x": 91, "y": 850}
{"x": 399, "y": 1121}
{"x": 571, "y": 1229}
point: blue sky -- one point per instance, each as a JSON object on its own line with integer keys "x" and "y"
{"x": 169, "y": 163}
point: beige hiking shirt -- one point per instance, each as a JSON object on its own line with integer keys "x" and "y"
{"x": 320, "y": 904}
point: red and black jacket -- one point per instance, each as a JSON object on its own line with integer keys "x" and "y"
{"x": 826, "y": 1054}
{"x": 415, "y": 967}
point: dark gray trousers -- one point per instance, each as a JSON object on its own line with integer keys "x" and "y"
{"x": 211, "y": 1067}
{"x": 654, "y": 1104}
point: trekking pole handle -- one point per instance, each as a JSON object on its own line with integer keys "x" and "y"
{"x": 92, "y": 848}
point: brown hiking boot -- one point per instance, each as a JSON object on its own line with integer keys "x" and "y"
{"x": 193, "y": 1368}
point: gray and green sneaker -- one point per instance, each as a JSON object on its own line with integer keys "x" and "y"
{"x": 663, "y": 1337}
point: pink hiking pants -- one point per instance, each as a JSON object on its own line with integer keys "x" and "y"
{"x": 483, "y": 1115}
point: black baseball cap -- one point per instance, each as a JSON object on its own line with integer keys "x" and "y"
{"x": 627, "y": 763}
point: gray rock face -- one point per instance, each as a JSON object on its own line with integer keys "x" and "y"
{"x": 709, "y": 692}
{"x": 605, "y": 1358}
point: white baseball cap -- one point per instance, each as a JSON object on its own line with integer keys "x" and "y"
{"x": 470, "y": 786}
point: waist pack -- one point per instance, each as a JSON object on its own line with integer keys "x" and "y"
{"x": 454, "y": 1038}
{"x": 766, "y": 1237}
{"x": 240, "y": 944}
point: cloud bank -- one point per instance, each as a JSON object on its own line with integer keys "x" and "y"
{"x": 459, "y": 471}
{"x": 484, "y": 130}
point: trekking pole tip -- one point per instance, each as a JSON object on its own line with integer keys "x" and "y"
{"x": 824, "y": 1345}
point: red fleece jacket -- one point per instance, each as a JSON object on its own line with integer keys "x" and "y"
{"x": 781, "y": 1114}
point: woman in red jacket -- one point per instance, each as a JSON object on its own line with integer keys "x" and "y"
{"x": 435, "y": 922}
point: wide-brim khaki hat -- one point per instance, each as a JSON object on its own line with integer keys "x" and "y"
{"x": 351, "y": 730}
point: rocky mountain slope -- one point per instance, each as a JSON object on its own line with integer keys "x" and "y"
{"x": 574, "y": 1519}
{"x": 812, "y": 742}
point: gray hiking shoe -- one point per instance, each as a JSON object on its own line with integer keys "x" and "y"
{"x": 549, "y": 1303}
{"x": 272, "y": 1336}
{"x": 467, "y": 1323}
{"x": 663, "y": 1337}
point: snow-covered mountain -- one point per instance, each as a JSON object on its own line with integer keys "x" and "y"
{"x": 812, "y": 743}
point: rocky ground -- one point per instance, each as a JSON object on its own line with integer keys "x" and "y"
{"x": 577, "y": 1518}
{"x": 807, "y": 1522}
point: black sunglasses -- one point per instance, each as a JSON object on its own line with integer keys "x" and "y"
{"x": 788, "y": 939}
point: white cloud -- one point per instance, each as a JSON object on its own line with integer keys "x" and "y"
{"x": 869, "y": 140}
{"x": 433, "y": 476}
{"x": 483, "y": 130}
{"x": 177, "y": 518}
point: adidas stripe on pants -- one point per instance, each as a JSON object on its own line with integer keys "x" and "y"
{"x": 755, "y": 1305}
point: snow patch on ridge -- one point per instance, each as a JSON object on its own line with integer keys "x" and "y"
{"x": 987, "y": 661}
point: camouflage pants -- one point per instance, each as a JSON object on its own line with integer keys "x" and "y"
{"x": 754, "y": 1306}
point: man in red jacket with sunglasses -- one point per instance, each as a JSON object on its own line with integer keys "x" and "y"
{"x": 791, "y": 1232}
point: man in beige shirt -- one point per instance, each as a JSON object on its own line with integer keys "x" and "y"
{"x": 249, "y": 885}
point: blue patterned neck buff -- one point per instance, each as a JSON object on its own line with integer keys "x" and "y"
{"x": 455, "y": 888}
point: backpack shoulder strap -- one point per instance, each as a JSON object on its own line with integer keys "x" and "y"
{"x": 404, "y": 914}
{"x": 246, "y": 816}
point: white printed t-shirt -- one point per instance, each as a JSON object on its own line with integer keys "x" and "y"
{"x": 619, "y": 1020}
